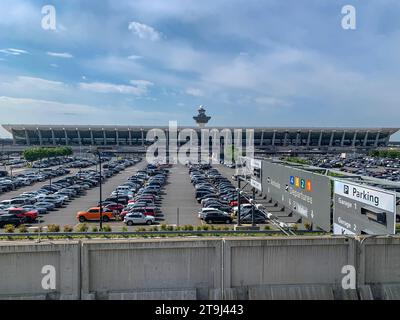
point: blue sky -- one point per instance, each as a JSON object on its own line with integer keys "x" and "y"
{"x": 251, "y": 63}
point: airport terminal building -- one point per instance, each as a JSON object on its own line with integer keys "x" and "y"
{"x": 265, "y": 138}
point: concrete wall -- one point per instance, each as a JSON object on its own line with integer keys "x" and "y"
{"x": 21, "y": 266}
{"x": 158, "y": 266}
{"x": 203, "y": 268}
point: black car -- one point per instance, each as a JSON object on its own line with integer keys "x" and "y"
{"x": 6, "y": 219}
{"x": 217, "y": 217}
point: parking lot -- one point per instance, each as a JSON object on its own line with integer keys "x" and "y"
{"x": 179, "y": 193}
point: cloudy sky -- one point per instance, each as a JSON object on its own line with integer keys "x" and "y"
{"x": 250, "y": 62}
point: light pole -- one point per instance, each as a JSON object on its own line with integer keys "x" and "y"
{"x": 101, "y": 191}
{"x": 253, "y": 207}
{"x": 238, "y": 202}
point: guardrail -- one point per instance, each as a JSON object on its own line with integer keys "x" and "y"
{"x": 154, "y": 233}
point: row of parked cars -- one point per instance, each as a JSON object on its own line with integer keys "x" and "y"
{"x": 28, "y": 178}
{"x": 52, "y": 162}
{"x": 28, "y": 206}
{"x": 43, "y": 172}
{"x": 377, "y": 167}
{"x": 137, "y": 201}
{"x": 219, "y": 198}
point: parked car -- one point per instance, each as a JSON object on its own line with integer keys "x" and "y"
{"x": 93, "y": 214}
{"x": 138, "y": 218}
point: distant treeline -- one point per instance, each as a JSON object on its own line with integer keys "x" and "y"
{"x": 394, "y": 154}
{"x": 296, "y": 160}
{"x": 34, "y": 154}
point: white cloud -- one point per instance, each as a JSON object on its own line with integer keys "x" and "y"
{"x": 141, "y": 83}
{"x": 144, "y": 31}
{"x": 138, "y": 87}
{"x": 13, "y": 52}
{"x": 134, "y": 57}
{"x": 64, "y": 55}
{"x": 23, "y": 84}
{"x": 39, "y": 111}
{"x": 194, "y": 92}
{"x": 54, "y": 65}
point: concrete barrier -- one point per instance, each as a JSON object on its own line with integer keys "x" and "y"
{"x": 202, "y": 268}
{"x": 21, "y": 266}
{"x": 151, "y": 268}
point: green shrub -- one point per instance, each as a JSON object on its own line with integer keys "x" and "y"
{"x": 295, "y": 227}
{"x": 155, "y": 228}
{"x": 163, "y": 227}
{"x": 307, "y": 226}
{"x": 107, "y": 228}
{"x": 199, "y": 228}
{"x": 53, "y": 228}
{"x": 9, "y": 228}
{"x": 205, "y": 227}
{"x": 267, "y": 227}
{"x": 23, "y": 228}
{"x": 82, "y": 227}
{"x": 68, "y": 229}
{"x": 95, "y": 229}
{"x": 170, "y": 228}
{"x": 124, "y": 229}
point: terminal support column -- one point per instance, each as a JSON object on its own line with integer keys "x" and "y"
{"x": 273, "y": 138}
{"x": 366, "y": 139}
{"x": 40, "y": 137}
{"x": 28, "y": 141}
{"x": 130, "y": 137}
{"x": 104, "y": 137}
{"x": 66, "y": 137}
{"x": 91, "y": 137}
{"x": 117, "y": 137}
{"x": 331, "y": 140}
{"x": 377, "y": 139}
{"x": 53, "y": 137}
{"x": 285, "y": 139}
{"x": 79, "y": 137}
{"x": 262, "y": 139}
{"x": 354, "y": 139}
{"x": 309, "y": 138}
{"x": 343, "y": 138}
{"x": 320, "y": 139}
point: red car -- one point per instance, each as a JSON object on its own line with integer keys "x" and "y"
{"x": 28, "y": 216}
{"x": 234, "y": 203}
{"x": 115, "y": 207}
{"x": 148, "y": 211}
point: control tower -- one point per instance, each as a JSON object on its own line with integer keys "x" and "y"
{"x": 202, "y": 119}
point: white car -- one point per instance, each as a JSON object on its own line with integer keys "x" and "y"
{"x": 204, "y": 211}
{"x": 138, "y": 218}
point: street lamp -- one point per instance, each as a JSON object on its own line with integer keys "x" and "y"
{"x": 238, "y": 202}
{"x": 101, "y": 192}
{"x": 252, "y": 201}
{"x": 97, "y": 153}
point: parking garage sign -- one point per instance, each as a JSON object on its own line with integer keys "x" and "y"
{"x": 360, "y": 209}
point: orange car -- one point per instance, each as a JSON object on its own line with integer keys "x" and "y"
{"x": 94, "y": 214}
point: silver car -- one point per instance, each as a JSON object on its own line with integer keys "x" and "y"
{"x": 138, "y": 218}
